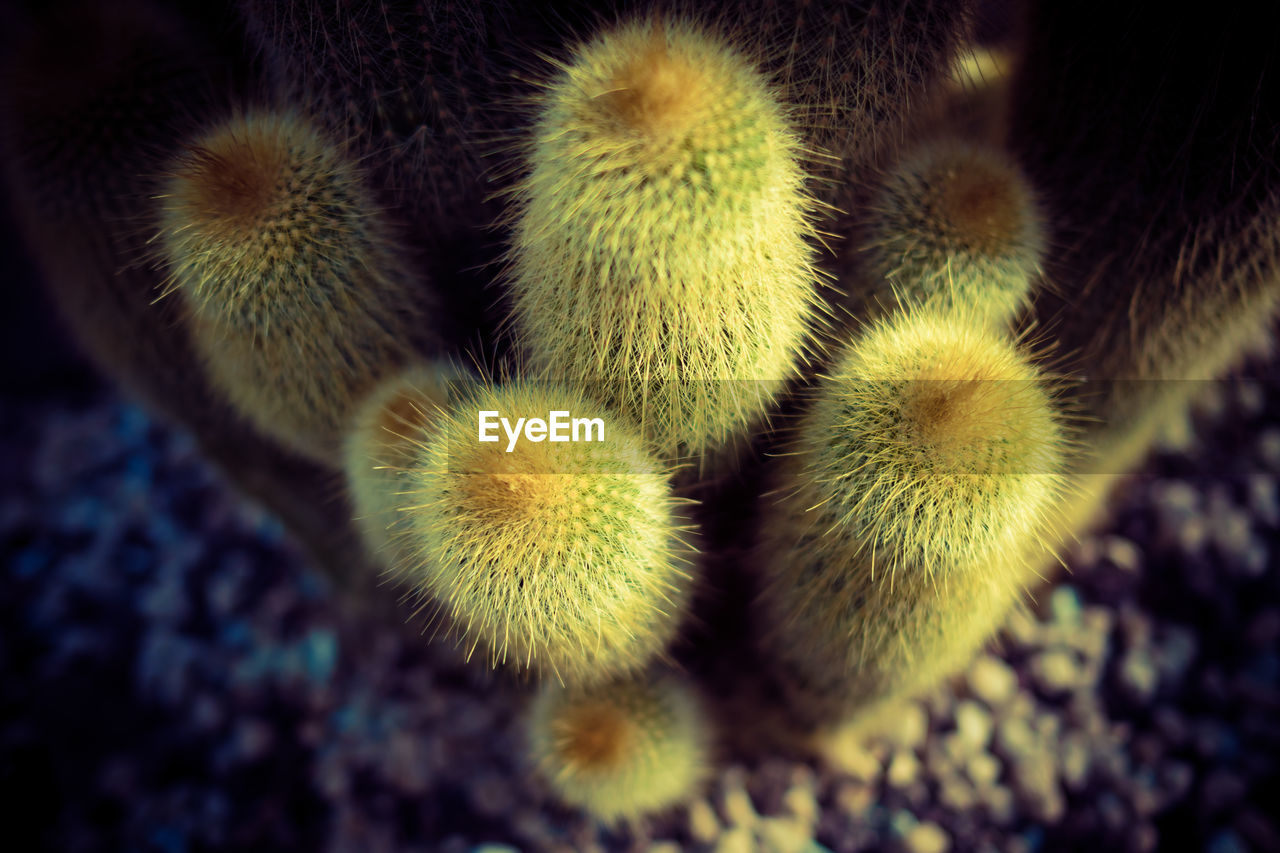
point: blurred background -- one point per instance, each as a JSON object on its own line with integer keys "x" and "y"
{"x": 175, "y": 675}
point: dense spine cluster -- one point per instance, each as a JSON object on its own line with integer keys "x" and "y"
{"x": 296, "y": 297}
{"x": 912, "y": 513}
{"x": 568, "y": 559}
{"x": 955, "y": 226}
{"x": 623, "y": 749}
{"x": 299, "y": 284}
{"x": 390, "y": 427}
{"x": 660, "y": 255}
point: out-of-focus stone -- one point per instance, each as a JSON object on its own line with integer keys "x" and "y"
{"x": 926, "y": 837}
{"x": 704, "y": 826}
{"x": 903, "y": 769}
{"x": 1055, "y": 671}
{"x": 992, "y": 680}
{"x": 973, "y": 724}
{"x": 784, "y": 835}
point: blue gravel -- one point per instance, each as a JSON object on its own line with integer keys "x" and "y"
{"x": 176, "y": 678}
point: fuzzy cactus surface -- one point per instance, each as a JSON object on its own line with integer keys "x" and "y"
{"x": 868, "y": 339}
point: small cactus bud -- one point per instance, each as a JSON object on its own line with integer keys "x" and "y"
{"x": 955, "y": 225}
{"x": 389, "y": 426}
{"x": 622, "y": 749}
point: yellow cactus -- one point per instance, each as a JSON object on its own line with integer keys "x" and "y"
{"x": 914, "y": 510}
{"x": 659, "y": 255}
{"x": 622, "y": 749}
{"x": 565, "y": 558}
{"x": 956, "y": 225}
{"x": 293, "y": 286}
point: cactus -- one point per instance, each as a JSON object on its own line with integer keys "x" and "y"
{"x": 659, "y": 254}
{"x": 567, "y": 559}
{"x": 660, "y": 276}
{"x": 296, "y": 298}
{"x": 95, "y": 102}
{"x": 390, "y": 424}
{"x": 956, "y": 225}
{"x": 623, "y": 749}
{"x": 80, "y": 142}
{"x": 1164, "y": 193}
{"x": 923, "y": 482}
{"x": 399, "y": 83}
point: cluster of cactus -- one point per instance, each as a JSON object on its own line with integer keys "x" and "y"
{"x": 800, "y": 264}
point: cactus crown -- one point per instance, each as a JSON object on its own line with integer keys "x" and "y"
{"x": 664, "y": 190}
{"x": 955, "y": 224}
{"x": 261, "y": 207}
{"x": 623, "y": 748}
{"x": 934, "y": 440}
{"x": 566, "y": 558}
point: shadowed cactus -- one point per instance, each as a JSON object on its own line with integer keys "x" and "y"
{"x": 955, "y": 225}
{"x": 568, "y": 558}
{"x": 1163, "y": 188}
{"x": 296, "y": 298}
{"x": 403, "y": 83}
{"x": 96, "y": 101}
{"x": 659, "y": 254}
{"x": 623, "y": 749}
{"x": 912, "y": 514}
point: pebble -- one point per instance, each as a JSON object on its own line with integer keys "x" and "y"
{"x": 736, "y": 840}
{"x": 1000, "y": 806}
{"x": 1143, "y": 838}
{"x": 664, "y": 847}
{"x": 1251, "y": 397}
{"x": 1014, "y": 737}
{"x": 738, "y": 809}
{"x": 1122, "y": 553}
{"x": 1264, "y": 502}
{"x": 973, "y": 724}
{"x": 1177, "y": 648}
{"x": 983, "y": 769}
{"x": 800, "y": 802}
{"x": 992, "y": 680}
{"x": 855, "y": 798}
{"x": 1065, "y": 606}
{"x": 1137, "y": 675}
{"x": 1035, "y": 782}
{"x": 704, "y": 826}
{"x": 1055, "y": 671}
{"x": 784, "y": 835}
{"x": 903, "y": 769}
{"x": 1075, "y": 759}
{"x": 254, "y": 739}
{"x": 926, "y": 837}
{"x": 847, "y": 753}
{"x": 957, "y": 794}
{"x": 1269, "y": 448}
{"x": 910, "y": 726}
{"x": 491, "y": 795}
